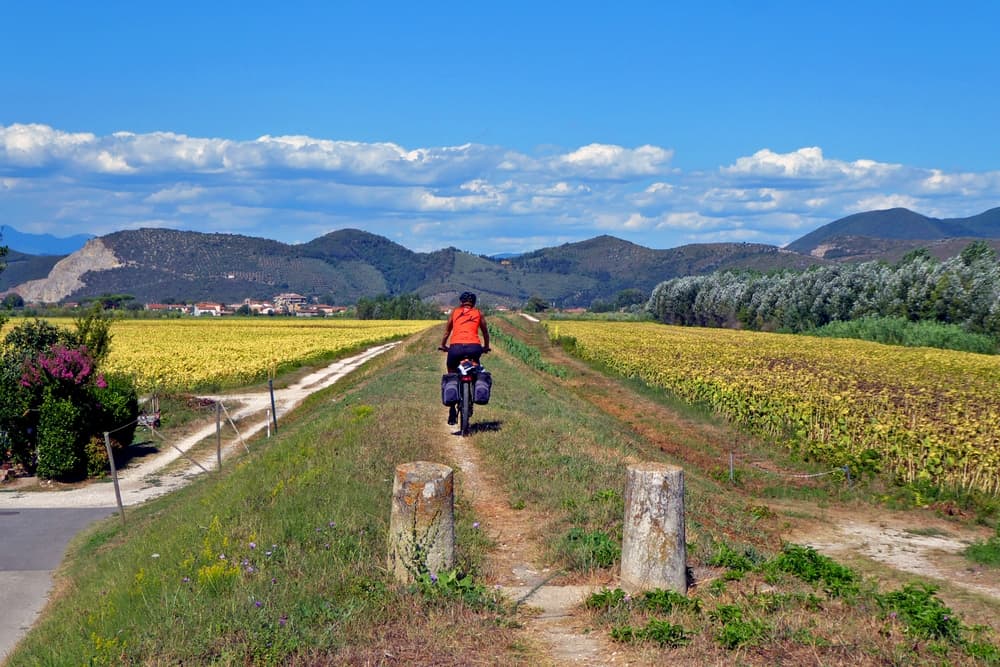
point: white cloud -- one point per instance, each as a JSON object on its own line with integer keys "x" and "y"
{"x": 688, "y": 220}
{"x": 294, "y": 186}
{"x": 882, "y": 202}
{"x": 606, "y": 161}
{"x": 177, "y": 193}
{"x": 806, "y": 164}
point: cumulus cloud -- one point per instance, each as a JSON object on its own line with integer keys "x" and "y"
{"x": 297, "y": 187}
{"x": 807, "y": 164}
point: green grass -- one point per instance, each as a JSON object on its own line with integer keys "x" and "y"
{"x": 280, "y": 558}
{"x": 302, "y": 522}
{"x": 985, "y": 552}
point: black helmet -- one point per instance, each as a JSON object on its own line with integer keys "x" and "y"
{"x": 467, "y": 297}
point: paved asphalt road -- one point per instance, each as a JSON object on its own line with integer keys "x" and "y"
{"x": 32, "y": 544}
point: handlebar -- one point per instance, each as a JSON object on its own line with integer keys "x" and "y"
{"x": 444, "y": 348}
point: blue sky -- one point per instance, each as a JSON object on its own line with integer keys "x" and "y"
{"x": 499, "y": 128}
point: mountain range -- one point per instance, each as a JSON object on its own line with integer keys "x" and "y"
{"x": 156, "y": 265}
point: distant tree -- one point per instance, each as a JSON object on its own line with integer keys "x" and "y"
{"x": 629, "y": 297}
{"x": 402, "y": 307}
{"x": 112, "y": 301}
{"x": 244, "y": 310}
{"x": 536, "y": 304}
{"x": 978, "y": 251}
{"x": 12, "y": 301}
{"x": 916, "y": 254}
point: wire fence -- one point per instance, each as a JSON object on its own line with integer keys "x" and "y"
{"x": 844, "y": 469}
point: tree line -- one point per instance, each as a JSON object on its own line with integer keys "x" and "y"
{"x": 963, "y": 290}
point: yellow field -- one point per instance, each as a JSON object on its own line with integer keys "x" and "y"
{"x": 181, "y": 354}
{"x": 922, "y": 414}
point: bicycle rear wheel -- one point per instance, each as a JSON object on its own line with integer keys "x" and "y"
{"x": 466, "y": 407}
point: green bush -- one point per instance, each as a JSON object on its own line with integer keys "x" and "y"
{"x": 60, "y": 443}
{"x": 118, "y": 406}
{"x": 900, "y": 331}
{"x": 97, "y": 457}
{"x": 53, "y": 399}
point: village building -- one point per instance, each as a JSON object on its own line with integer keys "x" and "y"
{"x": 207, "y": 308}
{"x": 289, "y": 302}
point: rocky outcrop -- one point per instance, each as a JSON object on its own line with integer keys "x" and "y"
{"x": 66, "y": 276}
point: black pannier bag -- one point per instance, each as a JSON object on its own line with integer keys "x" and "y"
{"x": 449, "y": 388}
{"x": 484, "y": 384}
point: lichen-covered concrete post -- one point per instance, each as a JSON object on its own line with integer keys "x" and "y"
{"x": 422, "y": 521}
{"x": 654, "y": 554}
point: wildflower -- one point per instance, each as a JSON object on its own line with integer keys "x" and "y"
{"x": 434, "y": 578}
{"x": 332, "y": 524}
{"x": 274, "y": 580}
{"x": 282, "y": 620}
{"x": 476, "y": 525}
{"x": 253, "y": 545}
{"x": 155, "y": 556}
{"x": 186, "y": 580}
{"x": 222, "y": 556}
{"x": 258, "y": 604}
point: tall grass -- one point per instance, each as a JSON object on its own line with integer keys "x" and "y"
{"x": 900, "y": 331}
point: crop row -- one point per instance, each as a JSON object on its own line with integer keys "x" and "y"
{"x": 177, "y": 355}
{"x": 922, "y": 415}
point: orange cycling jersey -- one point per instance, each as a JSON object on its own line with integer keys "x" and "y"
{"x": 465, "y": 325}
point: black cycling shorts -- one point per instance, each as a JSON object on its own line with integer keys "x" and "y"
{"x": 462, "y": 351}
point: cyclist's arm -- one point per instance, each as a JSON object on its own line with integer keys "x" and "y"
{"x": 486, "y": 333}
{"x": 447, "y": 332}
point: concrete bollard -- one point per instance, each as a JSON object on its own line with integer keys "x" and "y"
{"x": 422, "y": 521}
{"x": 654, "y": 554}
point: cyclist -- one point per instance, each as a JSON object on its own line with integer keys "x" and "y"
{"x": 465, "y": 323}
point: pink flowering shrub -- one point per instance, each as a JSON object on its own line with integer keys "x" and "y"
{"x": 72, "y": 365}
{"x": 54, "y": 401}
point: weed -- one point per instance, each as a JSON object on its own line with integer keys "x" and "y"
{"x": 586, "y": 550}
{"x": 985, "y": 552}
{"x": 737, "y": 631}
{"x": 663, "y": 633}
{"x": 663, "y": 601}
{"x": 607, "y": 598}
{"x": 738, "y": 562}
{"x": 812, "y": 567}
{"x": 452, "y": 585}
{"x": 922, "y": 612}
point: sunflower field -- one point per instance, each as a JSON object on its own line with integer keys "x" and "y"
{"x": 919, "y": 414}
{"x": 188, "y": 354}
